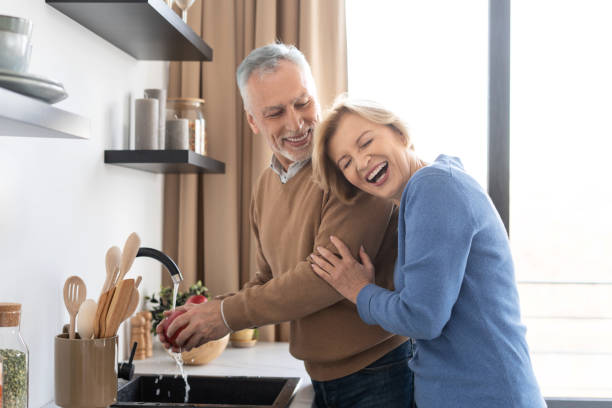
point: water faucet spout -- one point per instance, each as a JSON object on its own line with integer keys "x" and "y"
{"x": 174, "y": 271}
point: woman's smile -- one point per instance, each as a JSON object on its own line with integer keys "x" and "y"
{"x": 379, "y": 174}
{"x": 372, "y": 157}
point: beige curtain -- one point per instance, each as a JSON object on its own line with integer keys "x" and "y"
{"x": 206, "y": 217}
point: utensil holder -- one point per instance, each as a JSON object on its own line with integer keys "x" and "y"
{"x": 85, "y": 372}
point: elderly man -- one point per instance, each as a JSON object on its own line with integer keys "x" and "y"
{"x": 350, "y": 363}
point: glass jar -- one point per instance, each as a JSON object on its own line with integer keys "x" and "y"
{"x": 14, "y": 355}
{"x": 192, "y": 110}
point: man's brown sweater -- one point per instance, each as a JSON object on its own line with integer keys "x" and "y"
{"x": 289, "y": 221}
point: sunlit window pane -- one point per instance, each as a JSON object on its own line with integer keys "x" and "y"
{"x": 427, "y": 61}
{"x": 561, "y": 127}
{"x": 560, "y": 192}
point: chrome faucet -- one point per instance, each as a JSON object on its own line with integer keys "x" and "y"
{"x": 174, "y": 271}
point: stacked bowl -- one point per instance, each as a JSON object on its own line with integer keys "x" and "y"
{"x": 15, "y": 43}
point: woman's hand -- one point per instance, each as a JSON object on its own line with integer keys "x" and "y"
{"x": 346, "y": 275}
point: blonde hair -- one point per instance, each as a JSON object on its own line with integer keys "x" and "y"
{"x": 325, "y": 172}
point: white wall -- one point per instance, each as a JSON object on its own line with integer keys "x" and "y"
{"x": 61, "y": 207}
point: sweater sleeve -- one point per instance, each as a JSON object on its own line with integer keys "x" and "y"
{"x": 300, "y": 292}
{"x": 438, "y": 231}
{"x": 263, "y": 272}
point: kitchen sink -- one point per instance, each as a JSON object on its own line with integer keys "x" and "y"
{"x": 161, "y": 391}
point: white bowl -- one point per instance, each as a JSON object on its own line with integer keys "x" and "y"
{"x": 15, "y": 51}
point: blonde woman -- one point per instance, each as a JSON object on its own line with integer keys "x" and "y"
{"x": 455, "y": 291}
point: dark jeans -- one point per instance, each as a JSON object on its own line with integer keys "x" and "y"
{"x": 387, "y": 383}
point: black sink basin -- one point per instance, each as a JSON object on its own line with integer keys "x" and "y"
{"x": 227, "y": 392}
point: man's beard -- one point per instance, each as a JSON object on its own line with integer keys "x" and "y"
{"x": 300, "y": 154}
{"x": 297, "y": 156}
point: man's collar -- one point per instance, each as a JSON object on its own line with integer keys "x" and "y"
{"x": 292, "y": 170}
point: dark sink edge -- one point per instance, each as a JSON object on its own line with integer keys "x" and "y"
{"x": 287, "y": 392}
{"x": 282, "y": 400}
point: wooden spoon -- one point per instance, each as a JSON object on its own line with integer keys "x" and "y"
{"x": 85, "y": 318}
{"x": 130, "y": 250}
{"x": 113, "y": 258}
{"x": 75, "y": 292}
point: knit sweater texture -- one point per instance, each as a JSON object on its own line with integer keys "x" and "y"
{"x": 289, "y": 221}
{"x": 455, "y": 294}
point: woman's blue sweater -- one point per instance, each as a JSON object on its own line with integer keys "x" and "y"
{"x": 455, "y": 294}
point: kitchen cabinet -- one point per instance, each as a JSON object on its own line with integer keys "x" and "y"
{"x": 24, "y": 116}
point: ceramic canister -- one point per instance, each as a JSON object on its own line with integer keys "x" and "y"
{"x": 85, "y": 372}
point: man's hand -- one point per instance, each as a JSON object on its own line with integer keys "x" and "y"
{"x": 203, "y": 323}
{"x": 345, "y": 274}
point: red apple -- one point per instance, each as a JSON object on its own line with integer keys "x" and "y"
{"x": 166, "y": 322}
{"x": 196, "y": 299}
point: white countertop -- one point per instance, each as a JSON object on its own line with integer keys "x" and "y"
{"x": 263, "y": 360}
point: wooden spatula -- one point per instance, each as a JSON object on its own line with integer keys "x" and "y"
{"x": 75, "y": 293}
{"x": 111, "y": 261}
{"x": 133, "y": 305}
{"x": 103, "y": 303}
{"x": 134, "y": 299}
{"x": 118, "y": 306}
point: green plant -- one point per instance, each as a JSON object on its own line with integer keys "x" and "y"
{"x": 159, "y": 303}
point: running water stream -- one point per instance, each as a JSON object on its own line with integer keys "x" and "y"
{"x": 177, "y": 356}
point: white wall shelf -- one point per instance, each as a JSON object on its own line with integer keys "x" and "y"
{"x": 24, "y": 116}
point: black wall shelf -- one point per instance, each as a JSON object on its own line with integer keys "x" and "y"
{"x": 164, "y": 161}
{"x": 24, "y": 116}
{"x": 145, "y": 29}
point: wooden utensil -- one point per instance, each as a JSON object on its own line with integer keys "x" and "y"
{"x": 130, "y": 250}
{"x": 134, "y": 299}
{"x": 112, "y": 260}
{"x": 86, "y": 318}
{"x": 103, "y": 303}
{"x": 118, "y": 306}
{"x": 133, "y": 305}
{"x": 108, "y": 297}
{"x": 75, "y": 292}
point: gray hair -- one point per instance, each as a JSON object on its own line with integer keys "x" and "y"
{"x": 265, "y": 60}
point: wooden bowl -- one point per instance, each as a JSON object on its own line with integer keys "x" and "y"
{"x": 242, "y": 335}
{"x": 206, "y": 352}
{"x": 244, "y": 344}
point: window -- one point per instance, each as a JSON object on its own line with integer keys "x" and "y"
{"x": 560, "y": 192}
{"x": 428, "y": 61}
